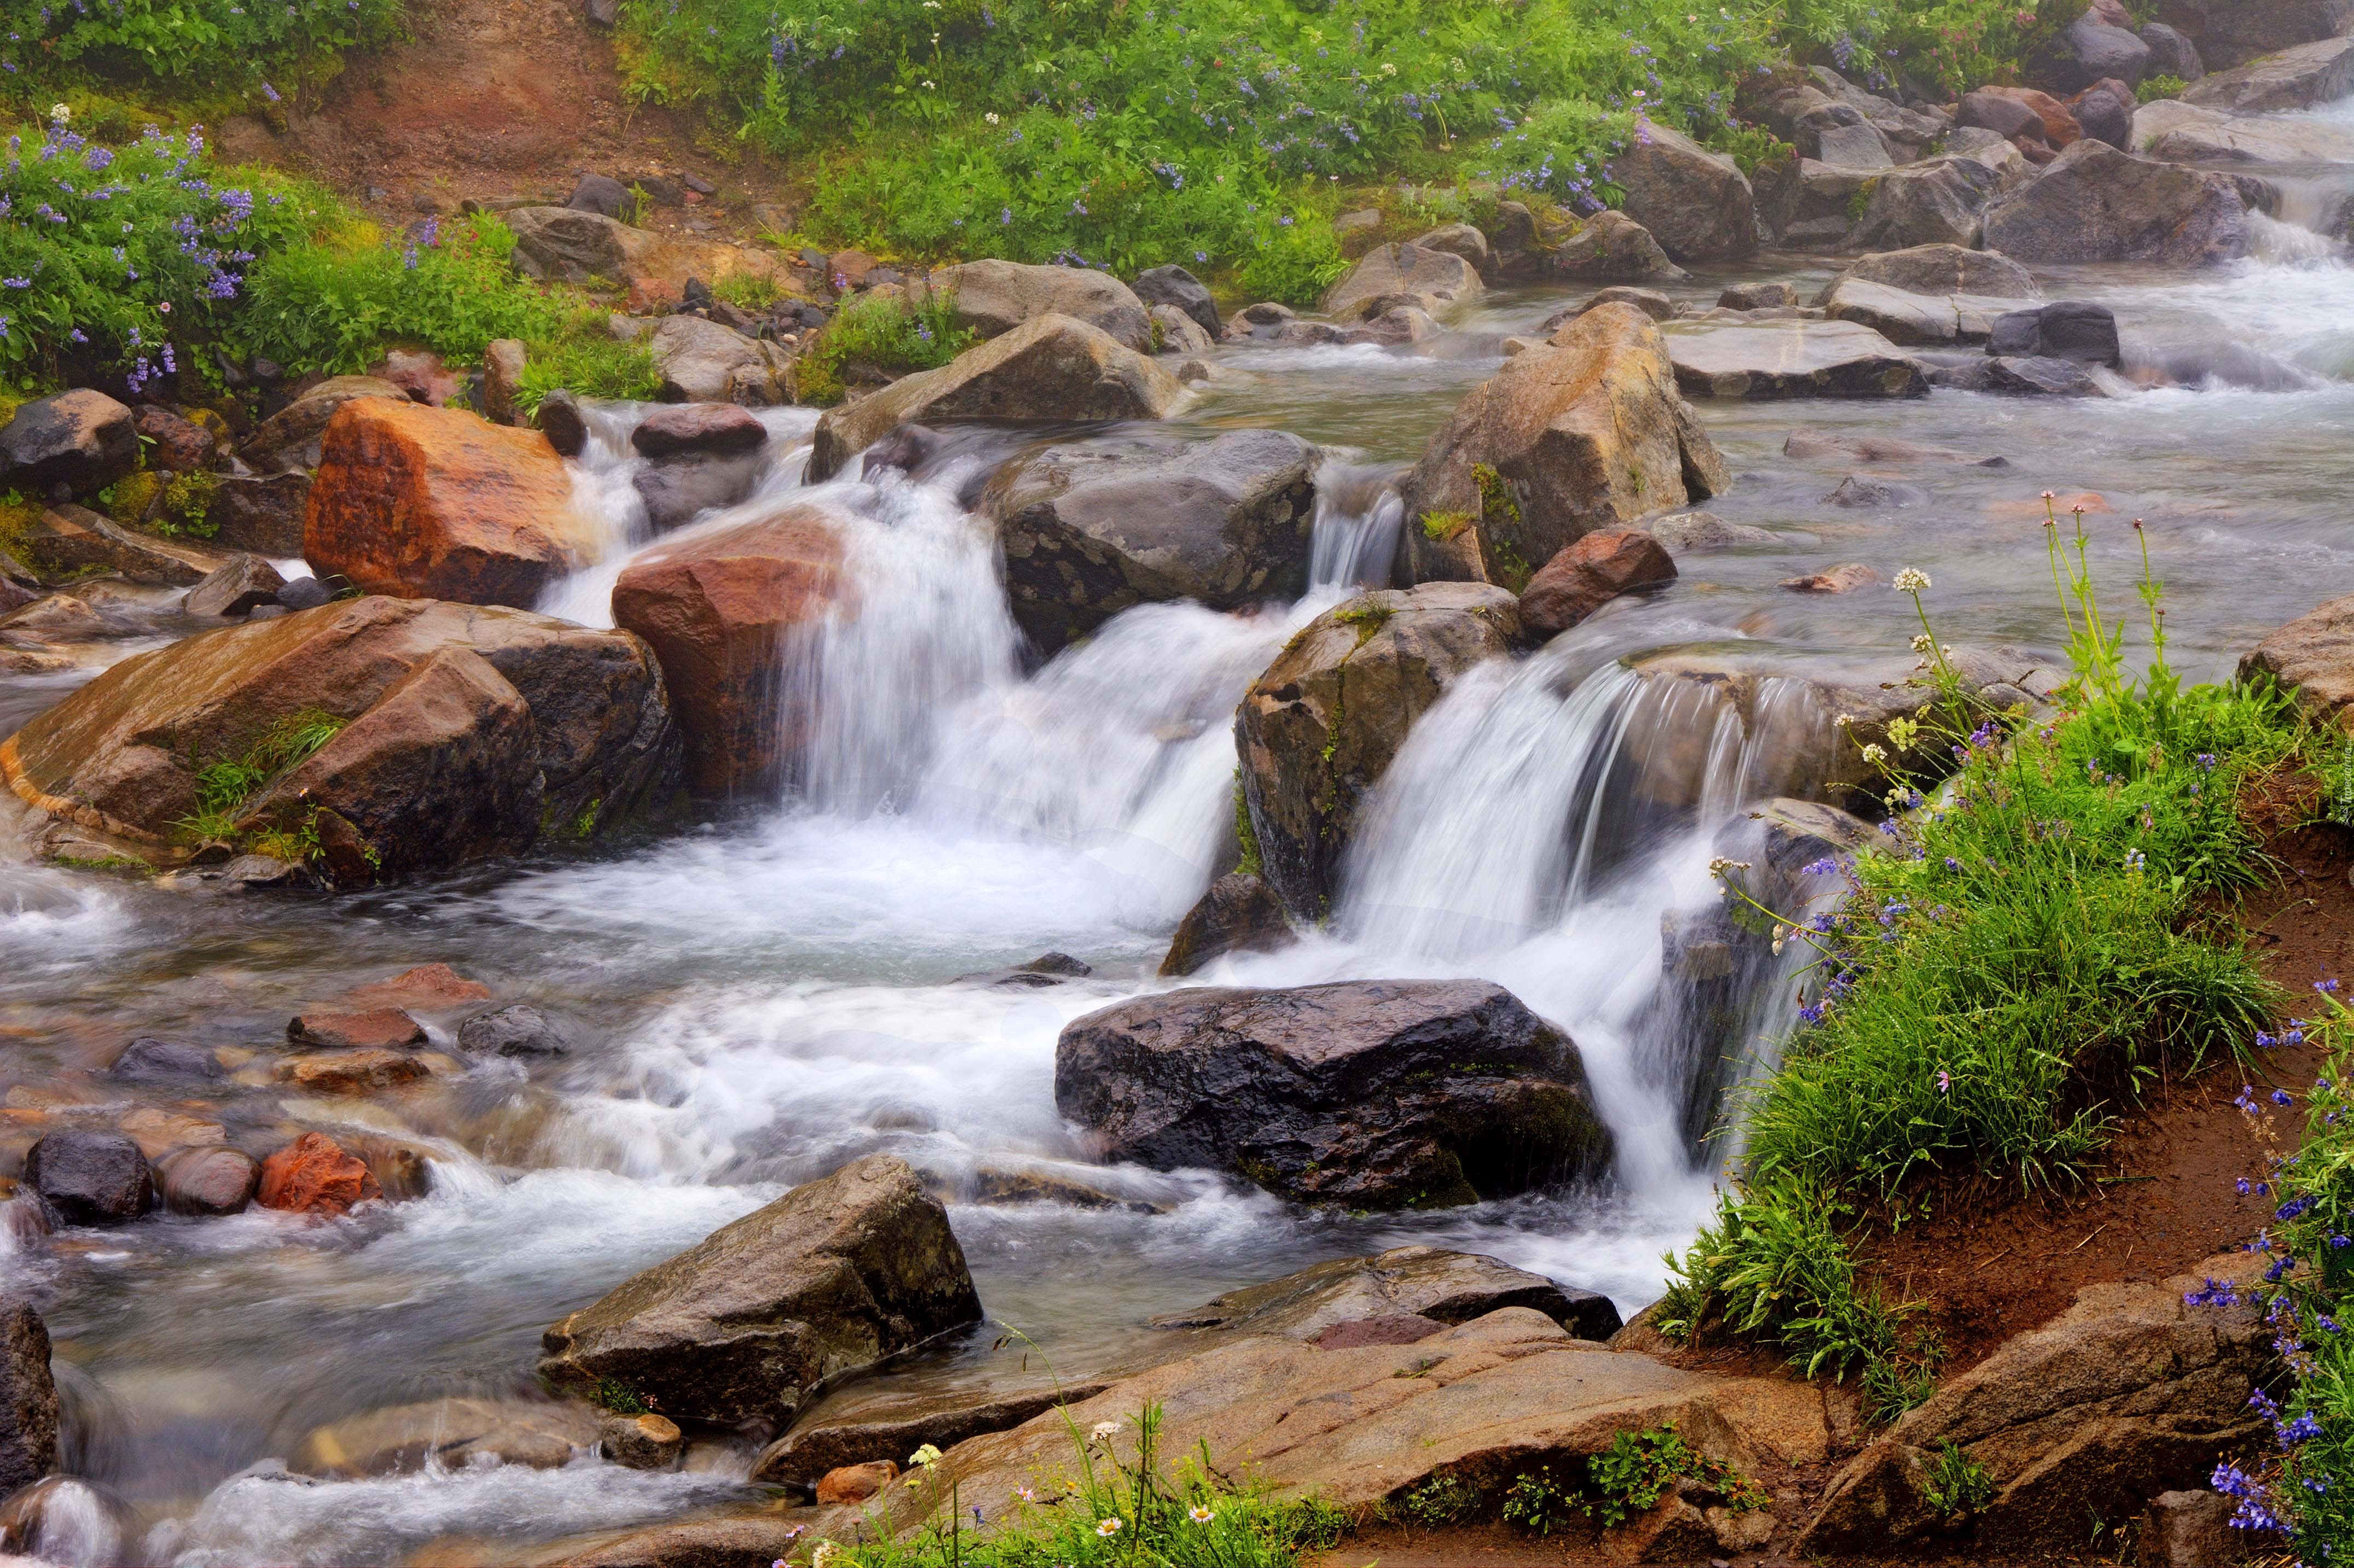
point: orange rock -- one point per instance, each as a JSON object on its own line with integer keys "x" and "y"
{"x": 648, "y": 295}
{"x": 855, "y": 1483}
{"x": 716, "y": 610}
{"x": 350, "y": 1072}
{"x": 424, "y": 502}
{"x": 427, "y": 985}
{"x": 378, "y": 1028}
{"x": 2060, "y": 127}
{"x": 314, "y": 1176}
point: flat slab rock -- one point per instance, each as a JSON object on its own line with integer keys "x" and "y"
{"x": 1366, "y": 1424}
{"x": 1428, "y": 1282}
{"x": 1791, "y": 359}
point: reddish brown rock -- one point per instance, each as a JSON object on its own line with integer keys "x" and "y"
{"x": 699, "y": 427}
{"x": 439, "y": 503}
{"x": 2060, "y": 127}
{"x": 718, "y": 610}
{"x": 855, "y": 1483}
{"x": 313, "y": 1175}
{"x": 427, "y": 985}
{"x": 180, "y": 445}
{"x": 378, "y": 1028}
{"x": 207, "y": 1180}
{"x": 421, "y": 375}
{"x": 1583, "y": 577}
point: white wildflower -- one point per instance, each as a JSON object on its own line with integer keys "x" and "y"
{"x": 1101, "y": 1432}
{"x": 1201, "y": 1515}
{"x": 1912, "y": 580}
{"x": 923, "y": 1458}
{"x": 990, "y": 117}
{"x": 1922, "y": 643}
{"x": 1874, "y": 755}
{"x": 60, "y": 113}
{"x": 1109, "y": 1527}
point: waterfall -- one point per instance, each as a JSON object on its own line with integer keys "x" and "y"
{"x": 1358, "y": 514}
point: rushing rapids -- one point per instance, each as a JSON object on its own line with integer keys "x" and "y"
{"x": 760, "y": 998}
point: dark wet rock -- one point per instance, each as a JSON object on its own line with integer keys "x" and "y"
{"x": 304, "y": 593}
{"x": 1612, "y": 248}
{"x": 28, "y": 1398}
{"x": 1047, "y": 369}
{"x": 699, "y": 427}
{"x": 454, "y": 1433}
{"x": 1757, "y": 296}
{"x": 2068, "y": 330}
{"x": 1696, "y": 204}
{"x": 521, "y": 1029}
{"x": 1389, "y": 275}
{"x": 1180, "y": 291}
{"x": 1255, "y": 322}
{"x": 378, "y": 1028}
{"x": 289, "y": 440}
{"x": 2037, "y": 378}
{"x": 82, "y": 439}
{"x": 66, "y": 540}
{"x": 2300, "y": 78}
{"x": 89, "y": 1177}
{"x": 741, "y": 1326}
{"x": 1650, "y": 301}
{"x": 1319, "y": 728}
{"x": 150, "y": 1059}
{"x": 1586, "y": 431}
{"x": 1090, "y": 528}
{"x": 748, "y": 1542}
{"x": 1858, "y": 490}
{"x": 2105, "y": 109}
{"x": 260, "y": 514}
{"x": 1239, "y": 913}
{"x": 2172, "y": 53}
{"x": 646, "y": 1441}
{"x": 207, "y": 1180}
{"x": 242, "y": 585}
{"x": 1583, "y": 577}
{"x": 1372, "y": 1094}
{"x": 559, "y": 418}
{"x": 2096, "y": 203}
{"x": 470, "y": 726}
{"x": 2091, "y": 48}
{"x": 2190, "y": 1529}
{"x": 605, "y": 195}
{"x": 677, "y": 489}
{"x": 1430, "y": 1283}
{"x": 863, "y": 1426}
{"x": 1792, "y": 359}
{"x": 174, "y": 444}
{"x": 2312, "y": 656}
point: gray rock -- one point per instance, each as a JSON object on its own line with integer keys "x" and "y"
{"x": 288, "y": 441}
{"x": 603, "y": 195}
{"x": 1792, "y": 359}
{"x": 89, "y": 1177}
{"x": 1696, "y": 204}
{"x": 1180, "y": 333}
{"x": 238, "y": 587}
{"x": 1927, "y": 321}
{"x": 28, "y": 1398}
{"x": 521, "y": 1029}
{"x": 453, "y": 1433}
{"x": 149, "y": 1059}
{"x": 741, "y": 1328}
{"x": 1611, "y": 248}
{"x": 1859, "y": 491}
{"x": 1941, "y": 270}
{"x": 1090, "y": 528}
{"x": 1422, "y": 1281}
{"x": 2172, "y": 54}
{"x": 995, "y": 297}
{"x": 2190, "y": 1530}
{"x": 567, "y": 245}
{"x": 2090, "y": 50}
{"x": 2105, "y": 109}
{"x": 304, "y": 593}
{"x": 1180, "y": 291}
{"x": 1856, "y": 146}
{"x": 81, "y": 438}
{"x": 1650, "y": 301}
{"x": 1355, "y": 1093}
{"x": 2233, "y": 32}
{"x": 207, "y": 1180}
{"x": 2006, "y": 117}
{"x": 2071, "y": 329}
{"x": 677, "y": 489}
{"x": 646, "y": 1441}
{"x": 1457, "y": 239}
{"x": 860, "y": 1425}
{"x": 2184, "y": 133}
{"x": 1239, "y": 913}
{"x": 1389, "y": 275}
{"x": 1703, "y": 530}
{"x": 1937, "y": 203}
{"x": 703, "y": 362}
{"x": 559, "y": 418}
{"x": 2020, "y": 377}
{"x": 260, "y": 512}
{"x": 2298, "y": 77}
{"x": 2312, "y": 656}
{"x": 720, "y": 428}
{"x": 1754, "y": 297}
{"x": 2095, "y": 204}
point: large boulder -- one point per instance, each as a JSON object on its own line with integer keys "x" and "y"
{"x": 1942, "y": 202}
{"x": 260, "y": 512}
{"x": 1941, "y": 270}
{"x": 88, "y": 1178}
{"x": 717, "y": 608}
{"x": 1430, "y": 278}
{"x": 1319, "y": 728}
{"x": 2176, "y": 131}
{"x": 1176, "y": 288}
{"x": 741, "y": 1328}
{"x": 2106, "y": 110}
{"x": 80, "y": 439}
{"x": 453, "y": 733}
{"x": 571, "y": 245}
{"x": 1913, "y": 320}
{"x": 1050, "y": 368}
{"x": 2231, "y": 32}
{"x": 2096, "y": 203}
{"x": 1696, "y": 204}
{"x": 28, "y": 1398}
{"x": 1090, "y": 527}
{"x": 1425, "y": 1282}
{"x": 289, "y": 440}
{"x": 703, "y": 361}
{"x": 2091, "y": 48}
{"x": 1587, "y": 431}
{"x": 2293, "y": 78}
{"x": 993, "y": 298}
{"x": 1370, "y": 1094}
{"x": 1611, "y": 248}
{"x": 864, "y": 1425}
{"x": 68, "y": 539}
{"x": 2172, "y": 53}
{"x": 2130, "y": 1394}
{"x": 1589, "y": 573}
{"x": 439, "y": 503}
{"x": 1792, "y": 359}
{"x": 2313, "y": 656}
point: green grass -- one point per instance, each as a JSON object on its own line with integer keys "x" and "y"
{"x": 2018, "y": 961}
{"x": 886, "y": 332}
{"x": 225, "y": 787}
{"x": 583, "y": 356}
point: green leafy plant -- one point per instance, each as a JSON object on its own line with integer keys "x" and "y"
{"x": 1957, "y": 1484}
{"x": 1244, "y": 833}
{"x": 613, "y": 1394}
{"x": 226, "y": 787}
{"x": 886, "y": 334}
{"x": 583, "y": 356}
{"x": 1442, "y": 1500}
{"x": 2159, "y": 87}
{"x": 1628, "y": 1479}
{"x": 1537, "y": 1503}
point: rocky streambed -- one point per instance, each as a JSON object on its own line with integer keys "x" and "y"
{"x": 701, "y": 802}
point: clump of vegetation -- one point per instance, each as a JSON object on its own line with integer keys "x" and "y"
{"x": 1244, "y": 834}
{"x": 1108, "y": 1511}
{"x": 202, "y": 45}
{"x": 2158, "y": 87}
{"x": 884, "y": 333}
{"x": 187, "y": 505}
{"x": 613, "y": 1394}
{"x": 2017, "y": 961}
{"x": 225, "y": 789}
{"x": 584, "y": 356}
{"x": 1959, "y": 1485}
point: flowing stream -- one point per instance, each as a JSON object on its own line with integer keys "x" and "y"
{"x": 760, "y": 998}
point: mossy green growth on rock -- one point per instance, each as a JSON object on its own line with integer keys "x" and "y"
{"x": 18, "y": 517}
{"x": 127, "y": 499}
{"x": 187, "y": 505}
{"x": 1440, "y": 526}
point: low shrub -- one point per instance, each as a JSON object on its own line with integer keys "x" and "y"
{"x": 886, "y": 332}
{"x": 584, "y": 356}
